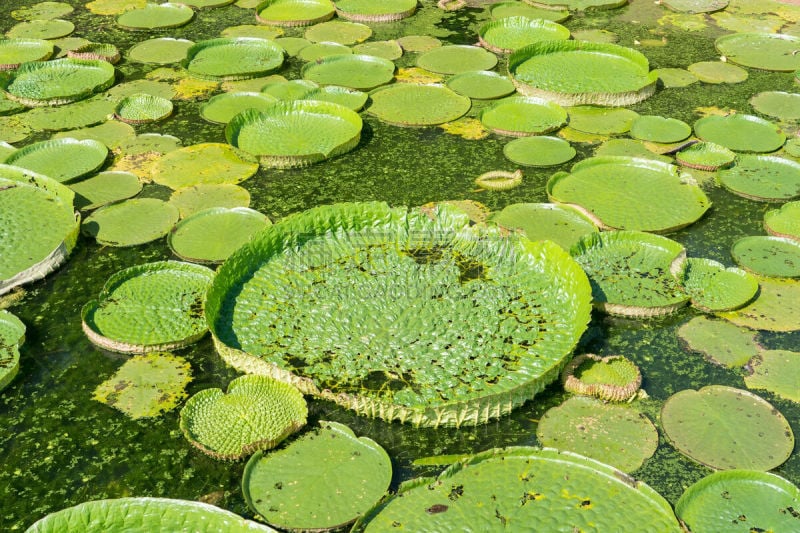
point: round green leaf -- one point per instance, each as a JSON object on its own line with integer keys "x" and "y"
{"x": 257, "y": 413}
{"x": 235, "y": 58}
{"x": 131, "y": 222}
{"x": 613, "y": 434}
{"x": 16, "y": 51}
{"x": 410, "y": 104}
{"x": 659, "y": 129}
{"x": 675, "y": 77}
{"x": 778, "y": 104}
{"x": 295, "y": 132}
{"x": 717, "y": 72}
{"x": 156, "y": 17}
{"x": 159, "y": 51}
{"x": 777, "y": 307}
{"x": 712, "y": 287}
{"x": 41, "y": 29}
{"x": 211, "y": 235}
{"x": 325, "y": 479}
{"x": 724, "y": 428}
{"x": 349, "y": 98}
{"x": 784, "y": 222}
{"x": 454, "y": 59}
{"x": 112, "y": 133}
{"x": 294, "y": 12}
{"x": 105, "y": 188}
{"x": 767, "y": 51}
{"x": 481, "y": 84}
{"x": 739, "y": 500}
{"x": 289, "y": 90}
{"x": 318, "y": 51}
{"x": 706, "y": 156}
{"x": 190, "y": 200}
{"x": 337, "y": 31}
{"x": 99, "y": 51}
{"x": 742, "y": 133}
{"x": 719, "y": 341}
{"x": 292, "y": 45}
{"x": 149, "y": 308}
{"x": 349, "y": 70}
{"x": 61, "y": 159}
{"x": 768, "y": 256}
{"x": 539, "y": 151}
{"x": 519, "y": 488}
{"x": 204, "y": 163}
{"x": 777, "y": 371}
{"x": 419, "y": 43}
{"x": 560, "y": 224}
{"x": 223, "y": 107}
{"x": 521, "y": 9}
{"x": 519, "y": 116}
{"x": 371, "y": 11}
{"x": 142, "y": 108}
{"x": 43, "y": 11}
{"x": 78, "y": 115}
{"x": 628, "y": 148}
{"x": 597, "y": 73}
{"x": 763, "y": 178}
{"x": 656, "y": 196}
{"x": 58, "y": 82}
{"x": 384, "y": 49}
{"x": 507, "y": 34}
{"x": 601, "y": 120}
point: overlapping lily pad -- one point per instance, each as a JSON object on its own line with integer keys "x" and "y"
{"x": 350, "y": 98}
{"x": 105, "y": 188}
{"x": 511, "y": 33}
{"x": 223, "y": 107}
{"x": 294, "y": 12}
{"x": 739, "y": 500}
{"x": 204, "y": 163}
{"x": 616, "y": 435}
{"x": 371, "y": 11}
{"x": 156, "y": 16}
{"x": 211, "y": 235}
{"x": 454, "y": 59}
{"x": 350, "y": 70}
{"x": 131, "y": 222}
{"x": 601, "y": 120}
{"x": 12, "y": 335}
{"x": 706, "y": 156}
{"x": 784, "y": 222}
{"x": 720, "y": 341}
{"x": 600, "y": 74}
{"x": 324, "y": 480}
{"x": 632, "y": 273}
{"x": 97, "y": 51}
{"x": 517, "y": 487}
{"x": 778, "y": 104}
{"x": 130, "y": 514}
{"x": 337, "y": 31}
{"x": 149, "y": 308}
{"x": 777, "y": 371}
{"x": 560, "y": 224}
{"x": 233, "y": 58}
{"x": 61, "y": 159}
{"x": 160, "y": 51}
{"x": 712, "y": 287}
{"x": 659, "y": 129}
{"x": 724, "y": 428}
{"x": 39, "y": 225}
{"x": 481, "y": 84}
{"x": 57, "y": 82}
{"x": 142, "y": 108}
{"x": 146, "y": 385}
{"x": 13, "y": 52}
{"x": 763, "y": 178}
{"x": 675, "y": 77}
{"x": 256, "y": 413}
{"x": 389, "y": 49}
{"x": 777, "y": 307}
{"x": 424, "y": 267}
{"x": 767, "y": 51}
{"x": 768, "y": 256}
{"x": 296, "y": 132}
{"x": 741, "y": 133}
{"x": 190, "y": 200}
{"x": 519, "y": 116}
{"x": 410, "y": 104}
{"x": 657, "y": 197}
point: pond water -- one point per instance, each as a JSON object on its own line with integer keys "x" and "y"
{"x": 59, "y": 447}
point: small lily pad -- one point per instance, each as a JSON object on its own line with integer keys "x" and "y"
{"x": 43, "y": 11}
{"x": 675, "y": 77}
{"x": 777, "y": 307}
{"x": 777, "y": 104}
{"x": 560, "y": 224}
{"x": 761, "y": 50}
{"x": 338, "y": 31}
{"x": 349, "y": 98}
{"x": 522, "y": 9}
{"x": 777, "y": 371}
{"x": 384, "y": 49}
{"x": 105, "y": 188}
{"x": 519, "y": 116}
{"x": 371, "y": 11}
{"x": 768, "y": 256}
{"x": 717, "y": 72}
{"x": 539, "y": 151}
{"x": 211, "y": 235}
{"x": 350, "y": 70}
{"x": 160, "y": 51}
{"x": 719, "y": 341}
{"x": 706, "y": 156}
{"x": 12, "y": 334}
{"x": 741, "y": 133}
{"x": 724, "y": 428}
{"x": 131, "y": 222}
{"x": 784, "y": 222}
{"x": 156, "y": 16}
{"x": 205, "y": 163}
{"x": 61, "y": 159}
{"x": 142, "y": 108}
{"x": 190, "y": 200}
{"x": 418, "y": 43}
{"x": 481, "y": 84}
{"x": 223, "y": 107}
{"x": 613, "y": 378}
{"x": 763, "y": 178}
{"x": 294, "y": 12}
{"x": 659, "y": 129}
{"x": 601, "y": 120}
{"x": 712, "y": 287}
{"x": 507, "y": 34}
{"x": 41, "y": 29}
{"x": 233, "y": 58}
{"x": 499, "y": 180}
{"x": 454, "y": 59}
{"x": 58, "y": 82}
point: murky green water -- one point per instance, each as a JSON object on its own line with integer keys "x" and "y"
{"x": 59, "y": 447}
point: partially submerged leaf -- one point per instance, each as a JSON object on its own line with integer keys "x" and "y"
{"x": 719, "y": 341}
{"x": 777, "y": 371}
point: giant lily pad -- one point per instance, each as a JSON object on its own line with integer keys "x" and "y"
{"x": 768, "y": 256}
{"x": 764, "y": 178}
{"x": 777, "y": 371}
{"x": 61, "y": 159}
{"x": 777, "y": 307}
{"x": 204, "y": 163}
{"x": 156, "y": 16}
{"x": 724, "y": 428}
{"x": 767, "y": 51}
{"x": 599, "y": 73}
{"x": 632, "y": 273}
{"x": 235, "y": 58}
{"x": 57, "y": 82}
{"x": 337, "y": 31}
{"x": 712, "y": 287}
{"x": 560, "y": 224}
{"x": 223, "y": 107}
{"x": 13, "y": 52}
{"x": 539, "y": 151}
{"x": 131, "y": 222}
{"x": 656, "y": 196}
{"x": 211, "y": 235}
{"x": 601, "y": 120}
{"x": 519, "y": 116}
{"x": 616, "y": 435}
{"x": 145, "y": 514}
{"x": 511, "y": 33}
{"x": 742, "y": 133}
{"x": 324, "y": 480}
{"x": 425, "y": 267}
{"x": 371, "y": 11}
{"x": 41, "y": 29}
{"x": 105, "y": 188}
{"x": 515, "y": 488}
{"x": 720, "y": 341}
{"x": 39, "y": 225}
{"x": 149, "y": 308}
{"x": 294, "y": 12}
{"x": 522, "y": 9}
{"x": 659, "y": 129}
{"x": 257, "y": 413}
{"x": 454, "y": 59}
{"x": 146, "y": 385}
{"x": 778, "y": 104}
{"x": 410, "y": 104}
{"x": 160, "y": 51}
{"x": 739, "y": 500}
{"x": 481, "y": 84}
{"x": 295, "y": 133}
{"x": 784, "y": 222}
{"x": 350, "y": 70}
{"x": 12, "y": 334}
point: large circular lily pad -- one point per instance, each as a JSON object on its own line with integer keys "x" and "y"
{"x": 705, "y": 156}
{"x": 511, "y": 33}
{"x": 406, "y": 278}
{"x": 601, "y": 120}
{"x": 712, "y": 287}
{"x": 131, "y": 222}
{"x": 58, "y": 82}
{"x": 160, "y": 51}
{"x": 742, "y": 133}
{"x": 61, "y": 159}
{"x": 39, "y": 225}
{"x": 235, "y": 58}
{"x": 295, "y": 132}
{"x": 13, "y": 52}
{"x": 190, "y": 200}
{"x": 294, "y": 12}
{"x": 630, "y": 193}
{"x": 371, "y": 11}
{"x": 223, "y": 107}
{"x": 719, "y": 341}
{"x": 325, "y": 479}
{"x": 778, "y": 104}
{"x": 768, "y": 256}
{"x": 481, "y": 84}
{"x": 409, "y": 104}
{"x": 599, "y": 73}
{"x": 659, "y": 129}
{"x": 777, "y": 307}
{"x": 762, "y": 177}
{"x": 739, "y": 500}
{"x": 143, "y": 108}
{"x": 521, "y": 488}
{"x": 454, "y": 59}
{"x": 337, "y": 31}
{"x": 105, "y": 188}
{"x": 560, "y": 224}
{"x": 724, "y": 428}
{"x": 520, "y": 116}
{"x": 257, "y": 413}
{"x": 211, "y": 235}
{"x": 632, "y": 273}
{"x": 767, "y": 51}
{"x": 204, "y": 163}
{"x": 350, "y": 70}
{"x": 156, "y": 16}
